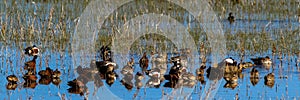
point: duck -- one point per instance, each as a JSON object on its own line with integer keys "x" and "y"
{"x": 262, "y": 60}
{"x": 230, "y": 18}
{"x": 110, "y": 66}
{"x": 245, "y": 65}
{"x": 12, "y": 79}
{"x": 32, "y": 50}
{"x": 144, "y": 62}
{"x": 46, "y": 73}
{"x": 106, "y": 53}
{"x": 176, "y": 60}
{"x": 131, "y": 62}
{"x": 31, "y": 65}
{"x": 138, "y": 76}
{"x": 127, "y": 69}
{"x": 56, "y": 73}
{"x": 105, "y": 66}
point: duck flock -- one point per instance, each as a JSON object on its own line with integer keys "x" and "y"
{"x": 46, "y": 76}
{"x": 176, "y": 76}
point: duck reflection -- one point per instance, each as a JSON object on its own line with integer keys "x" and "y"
{"x": 231, "y": 85}
{"x": 127, "y": 81}
{"x": 45, "y": 80}
{"x": 30, "y": 80}
{"x": 56, "y": 81}
{"x": 254, "y": 76}
{"x": 11, "y": 86}
{"x": 201, "y": 79}
{"x": 110, "y": 78}
{"x": 138, "y": 80}
{"x": 269, "y": 80}
{"x": 12, "y": 82}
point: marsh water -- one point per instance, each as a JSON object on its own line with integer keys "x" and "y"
{"x": 51, "y": 25}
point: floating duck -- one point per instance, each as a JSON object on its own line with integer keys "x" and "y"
{"x": 46, "y": 73}
{"x": 105, "y": 66}
{"x": 262, "y": 60}
{"x": 144, "y": 62}
{"x": 245, "y": 65}
{"x": 32, "y": 51}
{"x": 230, "y": 61}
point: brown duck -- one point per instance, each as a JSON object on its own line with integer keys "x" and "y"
{"x": 144, "y": 62}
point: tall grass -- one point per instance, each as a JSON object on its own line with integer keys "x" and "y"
{"x": 51, "y": 24}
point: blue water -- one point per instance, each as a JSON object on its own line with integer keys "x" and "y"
{"x": 12, "y": 61}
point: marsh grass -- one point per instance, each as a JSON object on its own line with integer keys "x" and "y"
{"x": 51, "y": 24}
